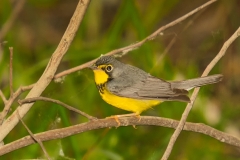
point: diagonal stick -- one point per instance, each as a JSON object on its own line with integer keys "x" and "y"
{"x": 195, "y": 92}
{"x": 129, "y": 48}
{"x": 33, "y": 137}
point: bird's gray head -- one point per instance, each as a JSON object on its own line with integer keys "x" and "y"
{"x": 103, "y": 60}
{"x": 112, "y": 67}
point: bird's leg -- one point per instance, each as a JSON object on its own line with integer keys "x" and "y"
{"x": 116, "y": 117}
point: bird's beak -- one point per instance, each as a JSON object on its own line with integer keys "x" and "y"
{"x": 93, "y": 67}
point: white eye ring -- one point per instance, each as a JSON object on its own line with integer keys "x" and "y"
{"x": 109, "y": 68}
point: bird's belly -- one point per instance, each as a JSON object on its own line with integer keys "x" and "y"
{"x": 128, "y": 104}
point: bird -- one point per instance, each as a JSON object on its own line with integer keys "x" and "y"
{"x": 130, "y": 88}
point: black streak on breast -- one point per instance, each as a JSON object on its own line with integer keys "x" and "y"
{"x": 101, "y": 87}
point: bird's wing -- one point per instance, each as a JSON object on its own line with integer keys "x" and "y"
{"x": 151, "y": 88}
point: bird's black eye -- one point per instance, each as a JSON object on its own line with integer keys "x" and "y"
{"x": 109, "y": 68}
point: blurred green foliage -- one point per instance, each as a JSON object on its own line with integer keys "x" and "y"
{"x": 111, "y": 24}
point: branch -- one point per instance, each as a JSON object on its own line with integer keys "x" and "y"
{"x": 124, "y": 121}
{"x": 33, "y": 137}
{"x": 11, "y": 71}
{"x": 9, "y": 102}
{"x": 129, "y": 48}
{"x": 3, "y": 97}
{"x": 1, "y": 49}
{"x": 7, "y": 26}
{"x": 195, "y": 92}
{"x": 51, "y": 68}
{"x": 172, "y": 41}
{"x": 30, "y": 100}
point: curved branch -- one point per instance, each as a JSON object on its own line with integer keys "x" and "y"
{"x": 125, "y": 121}
{"x": 129, "y": 48}
{"x": 51, "y": 68}
{"x": 11, "y": 71}
{"x": 34, "y": 138}
{"x": 195, "y": 93}
{"x": 7, "y": 26}
{"x": 3, "y": 97}
{"x": 8, "y": 103}
{"x": 34, "y": 99}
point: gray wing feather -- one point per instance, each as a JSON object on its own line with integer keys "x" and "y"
{"x": 155, "y": 88}
{"x": 146, "y": 87}
{"x": 159, "y": 88}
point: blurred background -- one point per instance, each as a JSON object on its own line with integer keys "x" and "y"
{"x": 181, "y": 52}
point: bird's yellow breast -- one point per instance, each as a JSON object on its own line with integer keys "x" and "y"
{"x": 129, "y": 104}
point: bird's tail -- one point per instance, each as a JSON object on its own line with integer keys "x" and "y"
{"x": 196, "y": 82}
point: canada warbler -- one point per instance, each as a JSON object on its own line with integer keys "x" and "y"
{"x": 132, "y": 89}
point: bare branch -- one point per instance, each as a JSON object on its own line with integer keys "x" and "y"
{"x": 195, "y": 92}
{"x": 1, "y": 49}
{"x": 33, "y": 137}
{"x": 96, "y": 143}
{"x": 30, "y": 100}
{"x": 124, "y": 121}
{"x": 51, "y": 68}
{"x": 11, "y": 71}
{"x": 3, "y": 97}
{"x": 8, "y": 104}
{"x": 7, "y": 26}
{"x": 173, "y": 40}
{"x": 129, "y": 48}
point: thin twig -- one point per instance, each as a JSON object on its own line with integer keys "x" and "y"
{"x": 1, "y": 49}
{"x": 173, "y": 40}
{"x": 99, "y": 139}
{"x": 8, "y": 104}
{"x": 33, "y": 137}
{"x": 129, "y": 48}
{"x": 195, "y": 92}
{"x": 50, "y": 69}
{"x": 7, "y": 26}
{"x": 30, "y": 100}
{"x": 124, "y": 121}
{"x": 11, "y": 71}
{"x": 3, "y": 97}
{"x": 161, "y": 56}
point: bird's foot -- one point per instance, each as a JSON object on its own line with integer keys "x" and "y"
{"x": 116, "y": 117}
